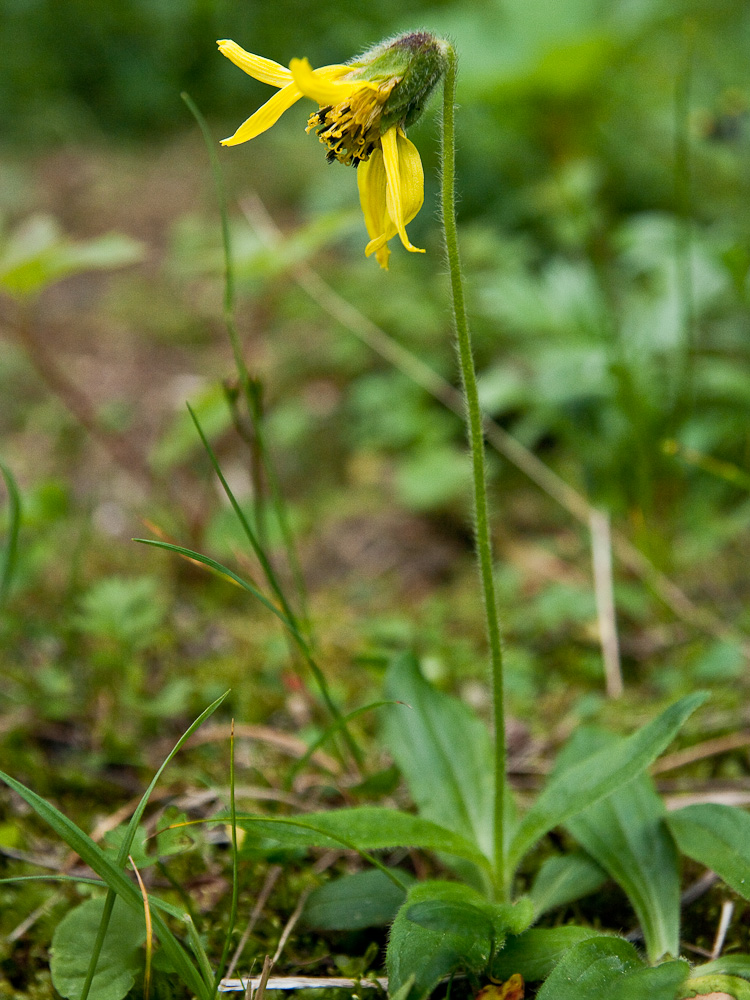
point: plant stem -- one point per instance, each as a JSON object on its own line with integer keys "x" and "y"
{"x": 476, "y": 442}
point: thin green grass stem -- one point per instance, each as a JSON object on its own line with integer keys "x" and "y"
{"x": 235, "y": 868}
{"x": 9, "y": 555}
{"x": 251, "y": 388}
{"x": 476, "y": 443}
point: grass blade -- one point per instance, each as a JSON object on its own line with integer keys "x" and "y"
{"x": 130, "y": 832}
{"x": 92, "y": 855}
{"x": 10, "y": 552}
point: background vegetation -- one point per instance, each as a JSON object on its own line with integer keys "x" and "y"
{"x": 603, "y": 152}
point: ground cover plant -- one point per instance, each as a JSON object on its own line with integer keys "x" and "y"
{"x": 496, "y": 889}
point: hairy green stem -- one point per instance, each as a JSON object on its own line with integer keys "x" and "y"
{"x": 476, "y": 443}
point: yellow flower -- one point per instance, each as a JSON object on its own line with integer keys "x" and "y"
{"x": 363, "y": 108}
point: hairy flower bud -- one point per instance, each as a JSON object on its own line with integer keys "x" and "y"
{"x": 415, "y": 64}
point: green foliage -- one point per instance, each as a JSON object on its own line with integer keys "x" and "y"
{"x": 120, "y": 959}
{"x": 10, "y": 547}
{"x": 610, "y": 295}
{"x": 627, "y": 836}
{"x": 124, "y": 611}
{"x": 197, "y": 979}
{"x": 354, "y": 902}
{"x": 537, "y": 952}
{"x": 443, "y": 927}
{"x": 443, "y": 751}
{"x": 363, "y": 828}
{"x": 718, "y": 837}
{"x": 610, "y": 966}
{"x": 37, "y": 254}
{"x": 574, "y": 788}
{"x": 563, "y": 879}
{"x": 731, "y": 986}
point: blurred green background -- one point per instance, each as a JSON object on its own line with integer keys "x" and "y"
{"x": 605, "y": 217}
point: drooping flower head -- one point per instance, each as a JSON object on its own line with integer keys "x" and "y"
{"x": 364, "y": 109}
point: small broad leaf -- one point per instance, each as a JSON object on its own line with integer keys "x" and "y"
{"x": 626, "y": 834}
{"x": 537, "y": 951}
{"x": 718, "y": 837}
{"x": 351, "y": 903}
{"x": 563, "y": 879}
{"x": 444, "y": 927}
{"x": 443, "y": 751}
{"x": 365, "y": 828}
{"x": 589, "y": 781}
{"x": 610, "y": 967}
{"x": 451, "y": 917}
{"x": 120, "y": 959}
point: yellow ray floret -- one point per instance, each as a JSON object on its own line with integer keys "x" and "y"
{"x": 265, "y": 70}
{"x": 390, "y": 176}
{"x": 391, "y": 192}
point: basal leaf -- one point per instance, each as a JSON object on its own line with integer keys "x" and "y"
{"x": 718, "y": 837}
{"x": 365, "y": 828}
{"x": 563, "y": 879}
{"x": 609, "y": 967}
{"x": 585, "y": 783}
{"x": 626, "y": 834}
{"x": 537, "y": 951}
{"x": 447, "y": 916}
{"x": 442, "y": 927}
{"x": 443, "y": 751}
{"x": 120, "y": 959}
{"x": 353, "y": 902}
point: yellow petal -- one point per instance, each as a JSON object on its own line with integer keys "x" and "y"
{"x": 371, "y": 181}
{"x": 265, "y": 70}
{"x": 265, "y": 116}
{"x": 323, "y": 85}
{"x": 404, "y": 194}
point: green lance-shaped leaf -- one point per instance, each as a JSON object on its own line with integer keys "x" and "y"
{"x": 563, "y": 879}
{"x": 585, "y": 783}
{"x": 718, "y": 837}
{"x": 363, "y": 828}
{"x": 444, "y": 751}
{"x": 626, "y": 834}
{"x": 120, "y": 958}
{"x": 609, "y": 967}
{"x": 444, "y": 927}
